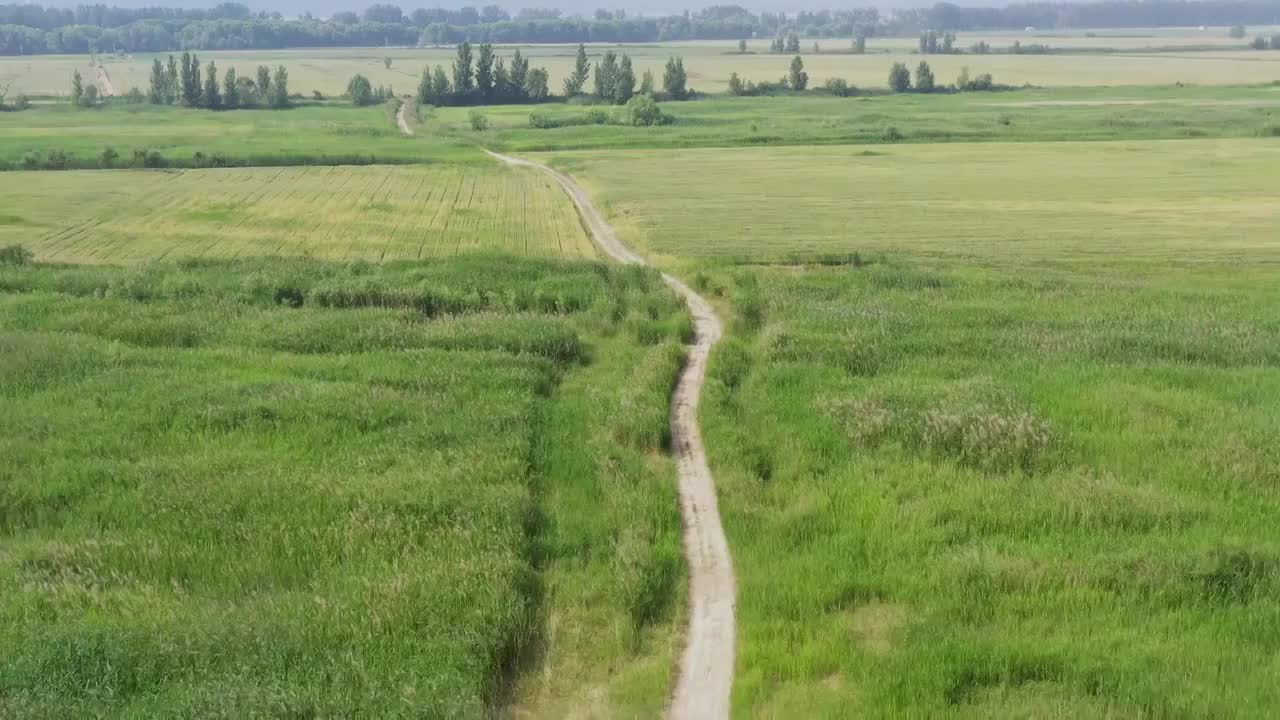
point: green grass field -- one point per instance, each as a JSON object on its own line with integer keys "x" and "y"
{"x": 1035, "y": 115}
{"x": 312, "y": 134}
{"x": 1143, "y": 58}
{"x": 1173, "y": 201}
{"x": 1011, "y": 490}
{"x": 298, "y": 488}
{"x": 334, "y": 133}
{"x": 372, "y": 213}
{"x": 995, "y": 425}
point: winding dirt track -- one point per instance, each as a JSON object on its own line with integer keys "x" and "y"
{"x": 400, "y": 117}
{"x": 103, "y": 81}
{"x": 706, "y": 667}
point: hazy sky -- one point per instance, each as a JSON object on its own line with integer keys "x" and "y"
{"x": 570, "y": 7}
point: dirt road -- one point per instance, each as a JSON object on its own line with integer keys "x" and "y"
{"x": 401, "y": 120}
{"x": 105, "y": 88}
{"x": 706, "y": 667}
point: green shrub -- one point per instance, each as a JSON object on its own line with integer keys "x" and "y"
{"x": 643, "y": 111}
{"x": 840, "y": 87}
{"x": 15, "y": 255}
{"x": 147, "y": 158}
{"x": 479, "y": 122}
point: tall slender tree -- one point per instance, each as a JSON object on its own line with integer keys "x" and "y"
{"x": 440, "y": 86}
{"x": 263, "y": 82}
{"x": 646, "y": 83}
{"x": 463, "y": 74}
{"x": 212, "y": 96}
{"x": 484, "y": 72}
{"x": 797, "y": 78}
{"x": 519, "y": 71}
{"x": 280, "y": 88}
{"x": 230, "y": 90}
{"x": 624, "y": 85}
{"x": 191, "y": 91}
{"x": 171, "y": 81}
{"x": 77, "y": 88}
{"x": 535, "y": 85}
{"x": 606, "y": 78}
{"x": 924, "y": 77}
{"x": 674, "y": 79}
{"x": 581, "y": 70}
{"x": 424, "y": 95}
{"x": 157, "y": 93}
{"x": 502, "y": 89}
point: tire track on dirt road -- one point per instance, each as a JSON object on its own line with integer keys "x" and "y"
{"x": 103, "y": 81}
{"x": 706, "y": 666}
{"x": 401, "y": 119}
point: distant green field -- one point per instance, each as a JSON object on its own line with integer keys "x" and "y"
{"x": 369, "y": 213}
{"x": 709, "y": 63}
{"x": 1180, "y": 201}
{"x": 994, "y": 427}
{"x": 1000, "y": 488}
{"x": 282, "y": 487}
{"x": 304, "y": 135}
{"x": 335, "y": 133}
{"x": 1041, "y": 114}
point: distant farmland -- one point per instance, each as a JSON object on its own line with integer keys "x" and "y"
{"x": 1163, "y": 57}
{"x": 1207, "y": 201}
{"x": 374, "y": 213}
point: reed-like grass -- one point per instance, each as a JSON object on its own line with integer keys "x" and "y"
{"x": 1001, "y": 491}
{"x": 222, "y": 493}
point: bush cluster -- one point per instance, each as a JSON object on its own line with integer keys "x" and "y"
{"x": 640, "y": 111}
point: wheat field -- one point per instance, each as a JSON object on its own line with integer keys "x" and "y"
{"x": 370, "y": 213}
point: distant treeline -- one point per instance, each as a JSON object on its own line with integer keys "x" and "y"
{"x": 33, "y": 29}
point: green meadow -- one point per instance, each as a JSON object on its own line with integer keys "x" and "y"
{"x": 303, "y": 488}
{"x": 311, "y": 134}
{"x": 304, "y": 417}
{"x": 1033, "y": 114}
{"x": 995, "y": 425}
{"x": 1112, "y": 204}
{"x": 1010, "y": 488}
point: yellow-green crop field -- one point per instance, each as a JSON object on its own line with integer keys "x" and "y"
{"x": 1188, "y": 201}
{"x": 375, "y": 213}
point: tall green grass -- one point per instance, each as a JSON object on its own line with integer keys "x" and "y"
{"x": 223, "y": 493}
{"x": 1025, "y": 489}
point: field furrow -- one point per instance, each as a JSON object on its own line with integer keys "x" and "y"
{"x": 367, "y": 212}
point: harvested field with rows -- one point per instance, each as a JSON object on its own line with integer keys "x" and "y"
{"x": 345, "y": 213}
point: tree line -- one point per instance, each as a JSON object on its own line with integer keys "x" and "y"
{"x": 478, "y": 76}
{"x": 27, "y": 29}
{"x": 181, "y": 82}
{"x": 900, "y": 81}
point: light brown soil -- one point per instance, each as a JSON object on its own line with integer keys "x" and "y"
{"x": 105, "y": 88}
{"x": 401, "y": 119}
